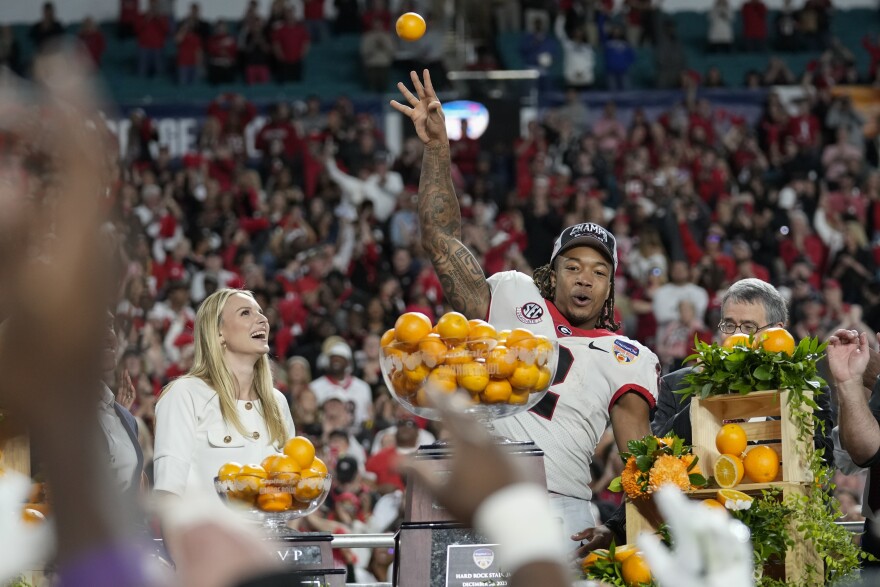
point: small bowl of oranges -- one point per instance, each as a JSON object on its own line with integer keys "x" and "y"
{"x": 502, "y": 373}
{"x": 283, "y": 487}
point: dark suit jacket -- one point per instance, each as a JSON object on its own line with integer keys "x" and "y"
{"x": 672, "y": 414}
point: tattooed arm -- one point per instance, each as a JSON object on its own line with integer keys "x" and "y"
{"x": 464, "y": 283}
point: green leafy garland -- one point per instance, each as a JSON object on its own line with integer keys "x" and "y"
{"x": 744, "y": 369}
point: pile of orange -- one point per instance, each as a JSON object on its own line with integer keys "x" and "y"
{"x": 774, "y": 340}
{"x": 633, "y": 567}
{"x": 457, "y": 353}
{"x": 760, "y": 464}
{"x": 282, "y": 482}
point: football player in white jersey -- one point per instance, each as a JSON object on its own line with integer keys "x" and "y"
{"x": 601, "y": 377}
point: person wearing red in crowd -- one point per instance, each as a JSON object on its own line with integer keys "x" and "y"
{"x": 189, "y": 54}
{"x": 93, "y": 39}
{"x": 313, "y": 14}
{"x": 152, "y": 31}
{"x": 385, "y": 464}
{"x": 280, "y": 128}
{"x": 804, "y": 126}
{"x": 377, "y": 11}
{"x": 754, "y": 18}
{"x": 256, "y": 52}
{"x": 128, "y": 17}
{"x": 290, "y": 44}
{"x": 221, "y": 54}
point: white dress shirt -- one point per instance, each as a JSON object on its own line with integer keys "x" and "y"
{"x": 123, "y": 457}
{"x": 193, "y": 440}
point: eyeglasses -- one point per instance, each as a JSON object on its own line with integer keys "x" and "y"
{"x": 747, "y": 328}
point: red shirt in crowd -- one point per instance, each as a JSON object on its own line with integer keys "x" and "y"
{"x": 804, "y": 128}
{"x": 384, "y": 465}
{"x": 279, "y": 131}
{"x": 222, "y": 50}
{"x": 313, "y": 9}
{"x": 95, "y": 44}
{"x": 152, "y": 30}
{"x": 372, "y": 16}
{"x": 293, "y": 40}
{"x": 128, "y": 12}
{"x": 188, "y": 50}
{"x": 754, "y": 15}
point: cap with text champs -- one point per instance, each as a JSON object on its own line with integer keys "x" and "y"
{"x": 588, "y": 234}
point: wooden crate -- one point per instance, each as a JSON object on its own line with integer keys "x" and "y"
{"x": 774, "y": 427}
{"x": 766, "y": 419}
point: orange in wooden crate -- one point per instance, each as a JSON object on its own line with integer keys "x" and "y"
{"x": 765, "y": 417}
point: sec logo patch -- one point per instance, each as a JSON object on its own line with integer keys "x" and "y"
{"x": 530, "y": 313}
{"x": 625, "y": 352}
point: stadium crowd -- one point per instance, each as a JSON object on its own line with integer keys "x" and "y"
{"x": 322, "y": 228}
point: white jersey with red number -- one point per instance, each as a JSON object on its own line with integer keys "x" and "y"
{"x": 595, "y": 368}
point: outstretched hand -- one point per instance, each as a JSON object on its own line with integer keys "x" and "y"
{"x": 848, "y": 356}
{"x": 424, "y": 109}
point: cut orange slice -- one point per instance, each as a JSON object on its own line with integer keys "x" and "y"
{"x": 739, "y": 499}
{"x": 713, "y": 503}
{"x": 624, "y": 551}
{"x": 728, "y": 471}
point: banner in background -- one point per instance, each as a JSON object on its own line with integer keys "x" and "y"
{"x": 866, "y": 101}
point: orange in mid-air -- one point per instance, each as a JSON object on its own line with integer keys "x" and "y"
{"x": 410, "y": 26}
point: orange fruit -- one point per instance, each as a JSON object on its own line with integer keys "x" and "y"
{"x": 453, "y": 327}
{"x": 269, "y": 462}
{"x": 433, "y": 350}
{"x": 458, "y": 355}
{"x": 725, "y": 495}
{"x": 761, "y": 464}
{"x": 543, "y": 379}
{"x": 502, "y": 335}
{"x": 624, "y": 551}
{"x": 521, "y": 337}
{"x": 635, "y": 570}
{"x": 308, "y": 488}
{"x": 32, "y": 516}
{"x": 775, "y": 340}
{"x": 412, "y": 327}
{"x": 473, "y": 376}
{"x": 410, "y": 26}
{"x": 284, "y": 467}
{"x": 590, "y": 559}
{"x": 250, "y": 480}
{"x": 713, "y": 503}
{"x": 301, "y": 450}
{"x": 524, "y": 376}
{"x": 229, "y": 471}
{"x": 501, "y": 362}
{"x": 497, "y": 391}
{"x": 387, "y": 338}
{"x": 481, "y": 336}
{"x": 417, "y": 375}
{"x": 736, "y": 339}
{"x": 518, "y": 398}
{"x": 319, "y": 466}
{"x": 543, "y": 350}
{"x": 728, "y": 471}
{"x": 731, "y": 440}
{"x": 275, "y": 502}
{"x": 442, "y": 379}
{"x": 401, "y": 385}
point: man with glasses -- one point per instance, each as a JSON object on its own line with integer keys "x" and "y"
{"x": 749, "y": 306}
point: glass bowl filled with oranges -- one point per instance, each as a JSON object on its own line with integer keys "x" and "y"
{"x": 503, "y": 373}
{"x": 283, "y": 487}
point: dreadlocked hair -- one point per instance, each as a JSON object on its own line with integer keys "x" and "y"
{"x": 605, "y": 321}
